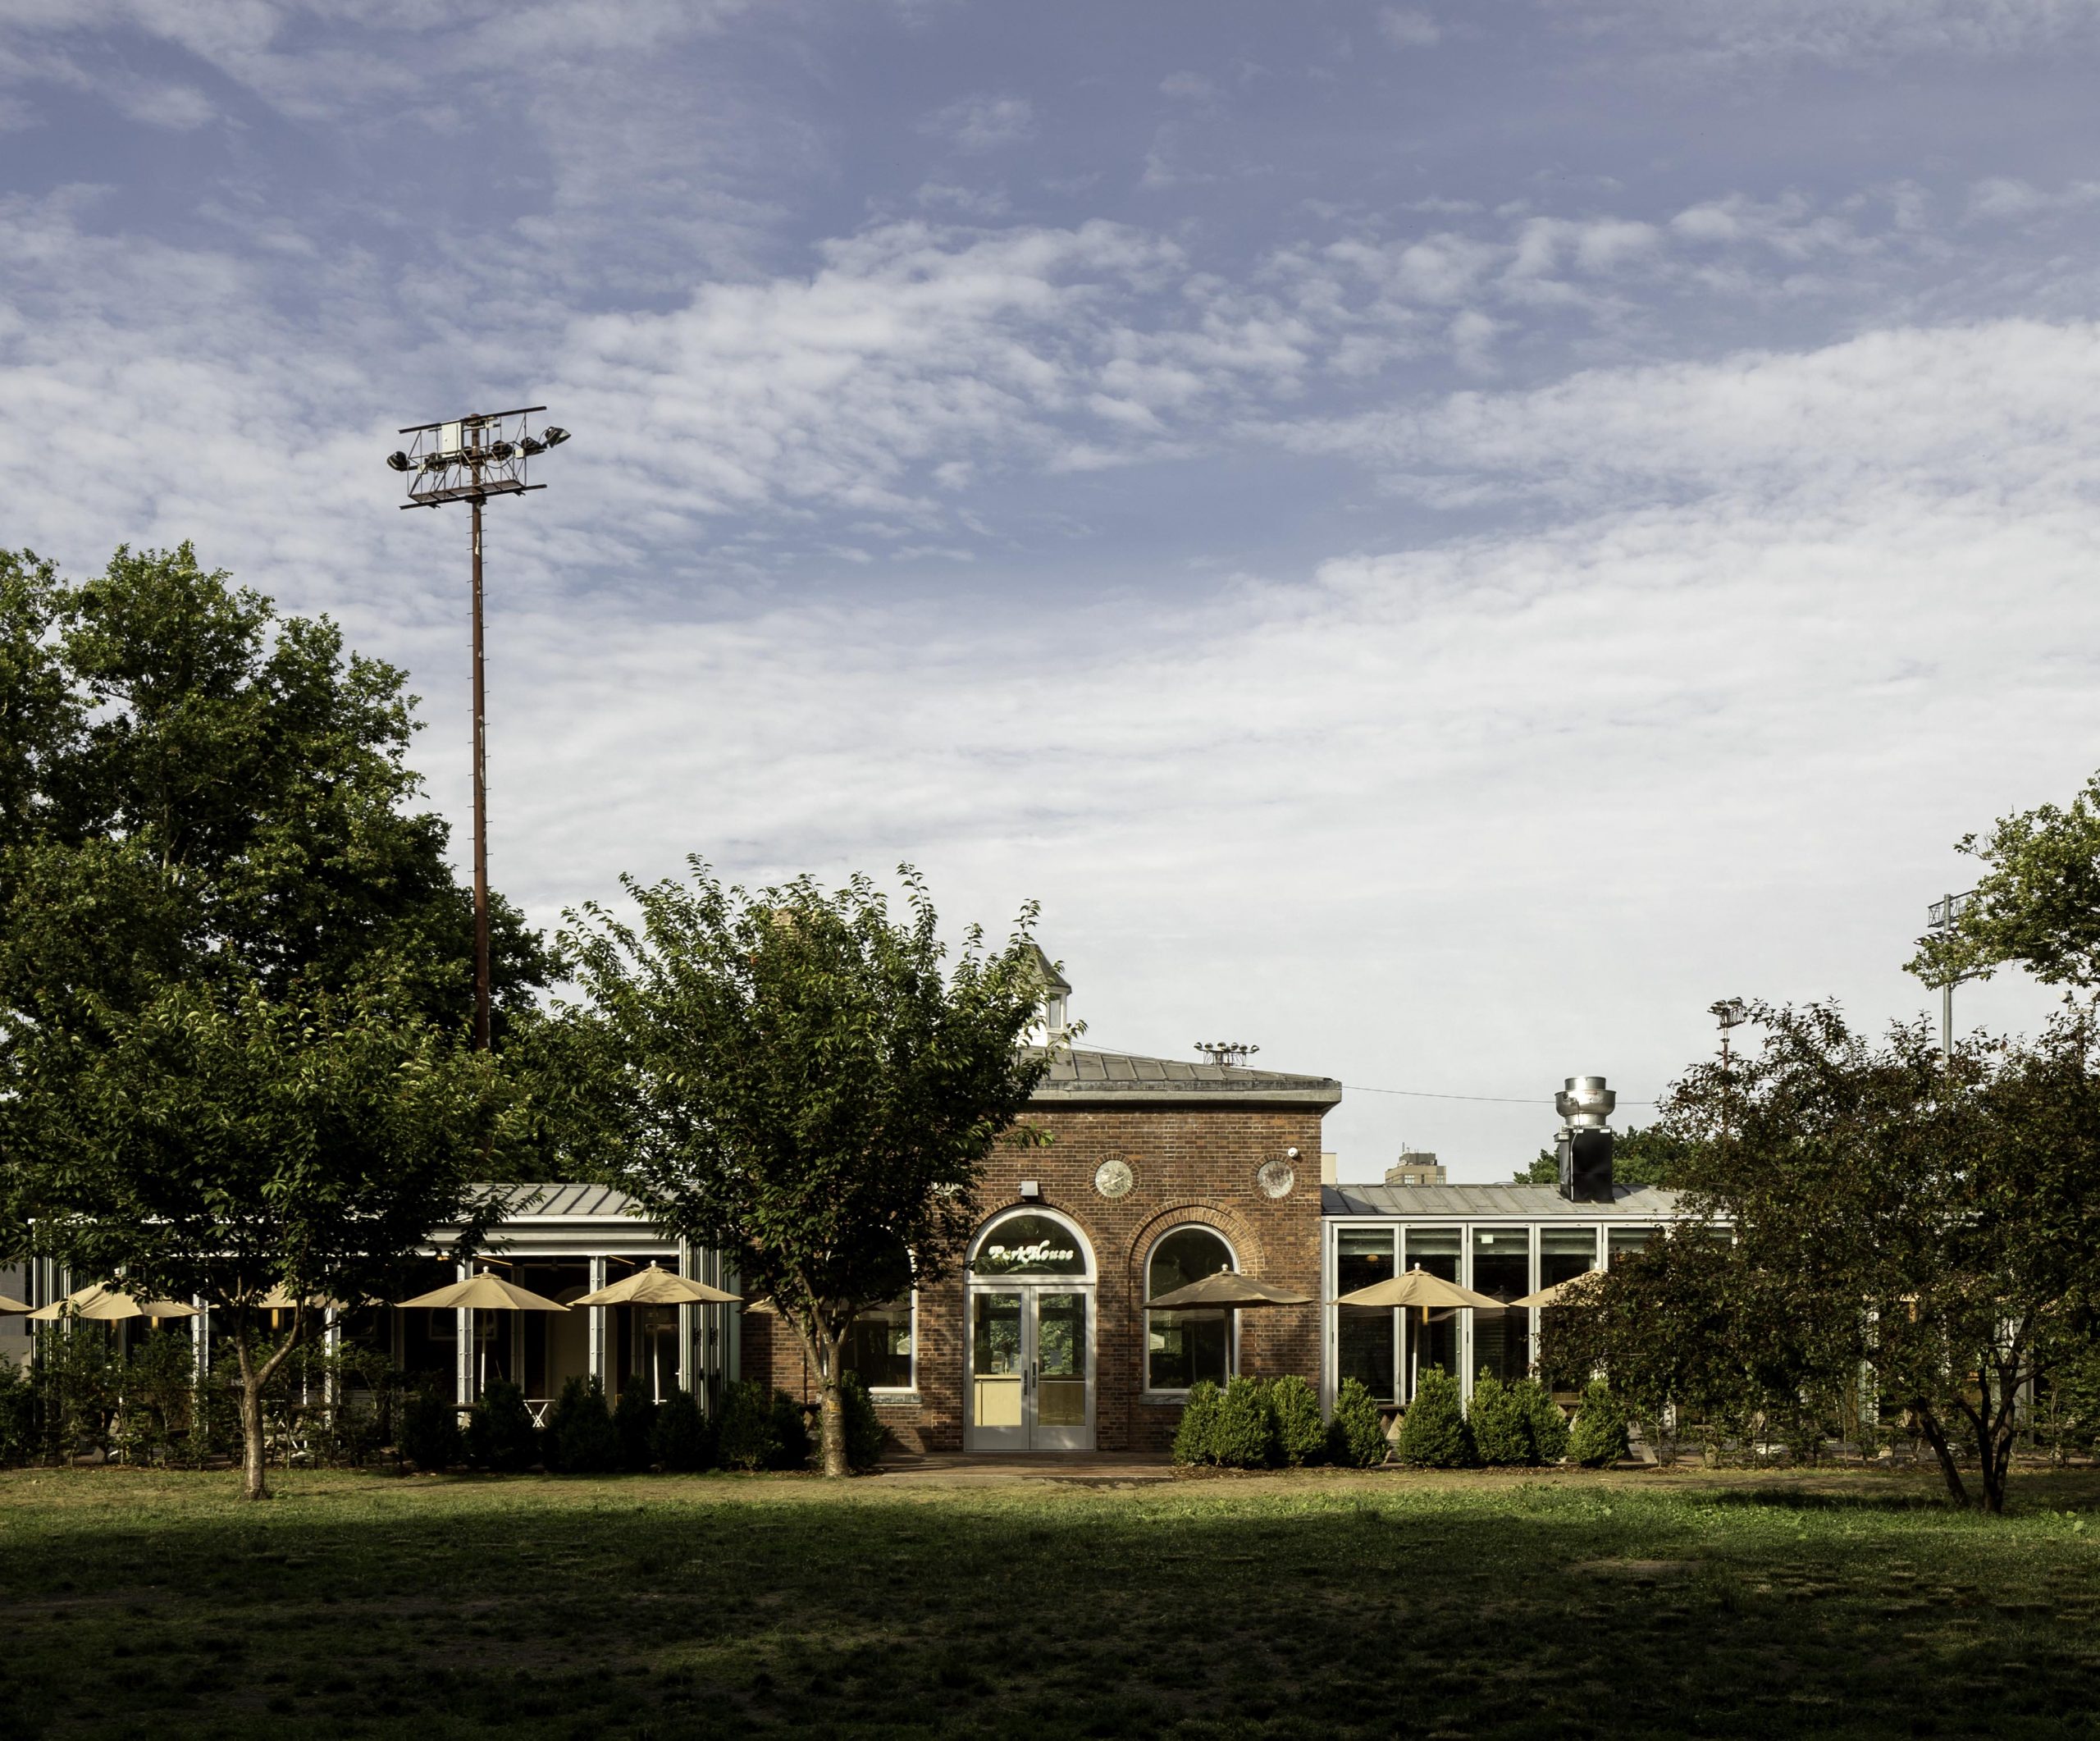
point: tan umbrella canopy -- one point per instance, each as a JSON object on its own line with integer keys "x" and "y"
{"x": 281, "y": 1299}
{"x": 1417, "y": 1287}
{"x": 106, "y": 1305}
{"x": 10, "y": 1305}
{"x": 656, "y": 1287}
{"x": 484, "y": 1294}
{"x": 1227, "y": 1288}
{"x": 1560, "y": 1291}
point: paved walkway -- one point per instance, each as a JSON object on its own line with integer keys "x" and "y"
{"x": 1091, "y": 1467}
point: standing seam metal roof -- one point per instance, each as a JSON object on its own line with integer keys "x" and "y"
{"x": 1076, "y": 1075}
{"x": 1489, "y": 1202}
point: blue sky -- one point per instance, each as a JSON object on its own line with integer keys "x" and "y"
{"x": 1439, "y": 539}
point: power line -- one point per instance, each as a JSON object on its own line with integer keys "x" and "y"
{"x": 1424, "y": 1094}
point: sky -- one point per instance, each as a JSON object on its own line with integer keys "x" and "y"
{"x": 1434, "y": 540}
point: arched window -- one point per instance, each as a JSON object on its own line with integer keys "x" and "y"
{"x": 1182, "y": 1347}
{"x": 1030, "y": 1244}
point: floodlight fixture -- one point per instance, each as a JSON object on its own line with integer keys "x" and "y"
{"x": 469, "y": 460}
{"x": 1942, "y": 917}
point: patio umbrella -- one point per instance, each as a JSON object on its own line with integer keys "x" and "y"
{"x": 1226, "y": 1289}
{"x": 654, "y": 1286}
{"x": 1560, "y": 1291}
{"x": 1417, "y": 1287}
{"x": 106, "y": 1305}
{"x": 9, "y": 1306}
{"x": 484, "y": 1294}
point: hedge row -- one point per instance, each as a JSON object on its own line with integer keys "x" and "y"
{"x": 1253, "y": 1424}
{"x": 751, "y": 1430}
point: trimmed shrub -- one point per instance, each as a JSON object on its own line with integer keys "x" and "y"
{"x": 17, "y": 1414}
{"x": 1598, "y": 1436}
{"x": 865, "y": 1433}
{"x": 682, "y": 1437}
{"x": 580, "y": 1437}
{"x": 430, "y": 1432}
{"x": 1356, "y": 1437}
{"x": 1548, "y": 1425}
{"x": 1501, "y": 1423}
{"x": 1195, "y": 1439}
{"x": 791, "y": 1433}
{"x": 1245, "y": 1437}
{"x": 633, "y": 1417}
{"x": 745, "y": 1439}
{"x": 1433, "y": 1434}
{"x": 1301, "y": 1435}
{"x": 499, "y": 1431}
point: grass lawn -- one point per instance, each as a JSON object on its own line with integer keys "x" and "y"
{"x": 1632, "y": 1605}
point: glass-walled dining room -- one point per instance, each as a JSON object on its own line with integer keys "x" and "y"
{"x": 1387, "y": 1349}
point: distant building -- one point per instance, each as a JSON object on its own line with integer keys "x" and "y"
{"x": 1416, "y": 1167}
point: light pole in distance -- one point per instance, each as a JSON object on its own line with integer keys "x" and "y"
{"x": 1941, "y": 916}
{"x": 469, "y": 460}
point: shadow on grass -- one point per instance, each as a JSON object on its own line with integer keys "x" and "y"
{"x": 639, "y": 1609}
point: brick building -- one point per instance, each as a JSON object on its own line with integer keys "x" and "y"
{"x": 1156, "y": 1172}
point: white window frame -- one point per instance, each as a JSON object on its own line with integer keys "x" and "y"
{"x": 1148, "y": 1391}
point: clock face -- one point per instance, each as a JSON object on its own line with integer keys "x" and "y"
{"x": 1114, "y": 1178}
{"x": 1276, "y": 1178}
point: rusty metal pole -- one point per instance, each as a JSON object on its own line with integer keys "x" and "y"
{"x": 481, "y": 805}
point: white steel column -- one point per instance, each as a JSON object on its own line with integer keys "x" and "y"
{"x": 599, "y": 1368}
{"x": 464, "y": 1377}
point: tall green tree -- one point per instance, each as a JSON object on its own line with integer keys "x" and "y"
{"x": 235, "y": 969}
{"x": 1932, "y": 1228}
{"x": 809, "y": 1083}
{"x": 1641, "y": 1155}
{"x": 2036, "y": 902}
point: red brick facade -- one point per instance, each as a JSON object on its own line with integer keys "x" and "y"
{"x": 1195, "y": 1150}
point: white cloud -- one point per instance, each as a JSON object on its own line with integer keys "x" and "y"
{"x": 979, "y": 123}
{"x": 1998, "y": 411}
{"x": 1409, "y": 27}
{"x": 1834, "y": 31}
{"x": 2007, "y": 198}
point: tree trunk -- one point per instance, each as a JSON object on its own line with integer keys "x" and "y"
{"x": 252, "y": 1484}
{"x": 1956, "y": 1489}
{"x": 831, "y": 1414}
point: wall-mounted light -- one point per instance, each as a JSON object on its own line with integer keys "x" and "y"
{"x": 1031, "y": 1191}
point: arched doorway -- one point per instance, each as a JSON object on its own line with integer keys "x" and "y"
{"x": 1028, "y": 1356}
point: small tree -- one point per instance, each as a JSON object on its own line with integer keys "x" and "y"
{"x": 634, "y": 1418}
{"x": 803, "y": 1081}
{"x": 865, "y": 1433}
{"x": 1433, "y": 1432}
{"x": 1244, "y": 1435}
{"x": 747, "y": 1437}
{"x": 1499, "y": 1418}
{"x": 499, "y": 1432}
{"x": 683, "y": 1439}
{"x": 1301, "y": 1435}
{"x": 1356, "y": 1436}
{"x": 1195, "y": 1439}
{"x": 1599, "y": 1437}
{"x": 430, "y": 1432}
{"x": 580, "y": 1438}
{"x": 1545, "y": 1424}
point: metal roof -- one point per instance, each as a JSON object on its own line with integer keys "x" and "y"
{"x": 1493, "y": 1201}
{"x": 1126, "y": 1078}
{"x": 570, "y": 1202}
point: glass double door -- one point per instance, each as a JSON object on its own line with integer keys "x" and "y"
{"x": 1030, "y": 1383}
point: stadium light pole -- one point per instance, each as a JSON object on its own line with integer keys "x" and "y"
{"x": 469, "y": 460}
{"x": 1941, "y": 916}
